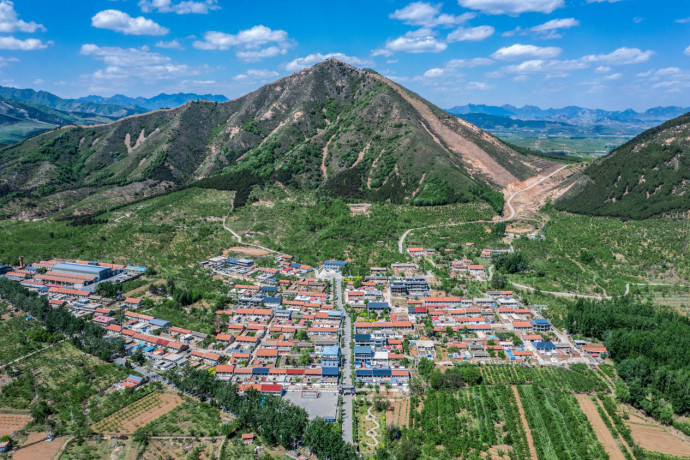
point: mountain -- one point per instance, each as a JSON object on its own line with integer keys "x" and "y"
{"x": 647, "y": 176}
{"x": 627, "y": 121}
{"x": 161, "y": 101}
{"x": 498, "y": 124}
{"x": 347, "y": 131}
{"x": 52, "y": 101}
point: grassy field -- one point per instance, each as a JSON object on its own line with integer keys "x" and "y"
{"x": 64, "y": 379}
{"x": 192, "y": 418}
{"x": 314, "y": 230}
{"x": 19, "y": 337}
{"x": 600, "y": 255}
{"x": 168, "y": 232}
{"x": 588, "y": 146}
{"x": 183, "y": 228}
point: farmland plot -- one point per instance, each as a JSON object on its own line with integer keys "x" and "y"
{"x": 138, "y": 414}
{"x": 470, "y": 420}
{"x": 559, "y": 428}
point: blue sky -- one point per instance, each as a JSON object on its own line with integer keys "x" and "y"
{"x": 610, "y": 54}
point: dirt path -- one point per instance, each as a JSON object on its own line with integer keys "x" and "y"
{"x": 324, "y": 158}
{"x": 600, "y": 429}
{"x": 525, "y": 425}
{"x": 509, "y": 203}
{"x": 373, "y": 433}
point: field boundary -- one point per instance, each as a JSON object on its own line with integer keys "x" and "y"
{"x": 525, "y": 425}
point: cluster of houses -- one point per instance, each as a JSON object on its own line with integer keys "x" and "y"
{"x": 282, "y": 331}
{"x": 243, "y": 268}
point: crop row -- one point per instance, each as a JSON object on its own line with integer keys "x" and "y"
{"x": 559, "y": 428}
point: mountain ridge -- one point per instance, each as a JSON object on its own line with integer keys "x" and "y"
{"x": 347, "y": 131}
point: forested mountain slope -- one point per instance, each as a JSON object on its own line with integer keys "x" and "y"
{"x": 332, "y": 126}
{"x": 647, "y": 176}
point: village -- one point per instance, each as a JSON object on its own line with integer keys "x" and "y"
{"x": 314, "y": 334}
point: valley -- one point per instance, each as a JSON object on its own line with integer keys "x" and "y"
{"x": 333, "y": 267}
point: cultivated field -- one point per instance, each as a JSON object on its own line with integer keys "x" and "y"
{"x": 603, "y": 434}
{"x": 653, "y": 437}
{"x": 205, "y": 449}
{"x": 37, "y": 448}
{"x": 399, "y": 412}
{"x": 138, "y": 414}
{"x": 9, "y": 423}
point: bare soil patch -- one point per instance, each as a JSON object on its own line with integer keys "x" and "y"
{"x": 246, "y": 250}
{"x": 9, "y": 423}
{"x": 38, "y": 448}
{"x": 360, "y": 209}
{"x": 600, "y": 429}
{"x": 398, "y": 412}
{"x": 655, "y": 438}
{"x": 525, "y": 425}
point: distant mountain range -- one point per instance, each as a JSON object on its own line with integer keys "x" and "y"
{"x": 573, "y": 114}
{"x": 647, "y": 176}
{"x": 162, "y": 101}
{"x": 577, "y": 120}
{"x": 26, "y": 112}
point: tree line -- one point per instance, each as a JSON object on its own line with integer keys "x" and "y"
{"x": 275, "y": 419}
{"x": 651, "y": 348}
{"x": 84, "y": 334}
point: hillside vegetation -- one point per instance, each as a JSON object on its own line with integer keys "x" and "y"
{"x": 647, "y": 176}
{"x": 348, "y": 131}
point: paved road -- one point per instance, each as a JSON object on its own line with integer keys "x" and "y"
{"x": 347, "y": 357}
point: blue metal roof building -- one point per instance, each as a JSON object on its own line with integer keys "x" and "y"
{"x": 99, "y": 272}
{"x": 159, "y": 322}
{"x": 378, "y": 306}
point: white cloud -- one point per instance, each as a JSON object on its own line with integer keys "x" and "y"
{"x": 428, "y": 15}
{"x": 547, "y": 31}
{"x": 603, "y": 69}
{"x": 478, "y": 86}
{"x": 257, "y": 75}
{"x": 310, "y": 60}
{"x": 687, "y": 51}
{"x": 683, "y": 20}
{"x": 470, "y": 34}
{"x": 469, "y": 63}
{"x": 435, "y": 72}
{"x": 30, "y": 44}
{"x": 120, "y": 21}
{"x": 172, "y": 44}
{"x": 127, "y": 64}
{"x": 10, "y": 22}
{"x": 621, "y": 56}
{"x": 38, "y": 81}
{"x": 613, "y": 76}
{"x": 5, "y": 61}
{"x": 545, "y": 66}
{"x": 253, "y": 44}
{"x": 418, "y": 41}
{"x": 184, "y": 7}
{"x": 603, "y": 1}
{"x": 554, "y": 24}
{"x": 512, "y": 7}
{"x": 638, "y": 19}
{"x": 518, "y": 51}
